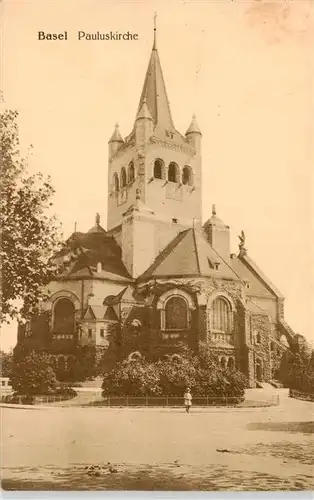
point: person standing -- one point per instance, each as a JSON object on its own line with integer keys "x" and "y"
{"x": 187, "y": 400}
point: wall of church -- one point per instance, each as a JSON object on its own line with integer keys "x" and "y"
{"x": 102, "y": 289}
{"x": 119, "y": 201}
{"x": 261, "y": 359}
{"x": 268, "y": 304}
{"x": 138, "y": 243}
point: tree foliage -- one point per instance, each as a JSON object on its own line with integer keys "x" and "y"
{"x": 29, "y": 234}
{"x": 297, "y": 369}
{"x": 172, "y": 375}
{"x": 33, "y": 375}
{"x": 6, "y": 359}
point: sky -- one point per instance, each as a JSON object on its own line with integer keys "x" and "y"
{"x": 244, "y": 67}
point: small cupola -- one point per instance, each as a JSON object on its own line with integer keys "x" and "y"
{"x": 193, "y": 128}
{"x": 193, "y": 134}
{"x": 116, "y": 141}
{"x": 144, "y": 113}
{"x": 218, "y": 234}
{"x": 143, "y": 125}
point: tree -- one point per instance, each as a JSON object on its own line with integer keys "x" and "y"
{"x": 6, "y": 359}
{"x": 33, "y": 375}
{"x": 29, "y": 235}
{"x": 297, "y": 369}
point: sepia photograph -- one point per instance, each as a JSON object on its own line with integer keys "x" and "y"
{"x": 156, "y": 245}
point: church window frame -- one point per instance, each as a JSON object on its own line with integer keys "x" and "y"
{"x": 176, "y": 320}
{"x": 173, "y": 172}
{"x": 221, "y": 315}
{"x": 161, "y": 305}
{"x": 220, "y": 318}
{"x": 62, "y": 323}
{"x": 187, "y": 176}
{"x": 159, "y": 169}
{"x": 115, "y": 182}
{"x": 231, "y": 363}
{"x": 131, "y": 172}
{"x": 123, "y": 178}
{"x": 223, "y": 363}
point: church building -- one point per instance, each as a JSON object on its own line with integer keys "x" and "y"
{"x": 158, "y": 274}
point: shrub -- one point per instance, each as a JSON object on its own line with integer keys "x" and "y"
{"x": 33, "y": 375}
{"x": 132, "y": 378}
{"x": 172, "y": 375}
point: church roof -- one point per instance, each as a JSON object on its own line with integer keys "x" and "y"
{"x": 214, "y": 220}
{"x": 190, "y": 254}
{"x": 116, "y": 136}
{"x": 89, "y": 249}
{"x": 193, "y": 128}
{"x": 144, "y": 112}
{"x": 260, "y": 285}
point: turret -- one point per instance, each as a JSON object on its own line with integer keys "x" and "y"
{"x": 218, "y": 235}
{"x": 194, "y": 135}
{"x": 143, "y": 125}
{"x": 115, "y": 141}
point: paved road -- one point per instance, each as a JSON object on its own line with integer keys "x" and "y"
{"x": 221, "y": 448}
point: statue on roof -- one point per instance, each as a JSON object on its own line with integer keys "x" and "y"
{"x": 242, "y": 248}
{"x": 97, "y": 219}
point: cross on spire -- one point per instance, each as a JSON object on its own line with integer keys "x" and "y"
{"x": 155, "y": 30}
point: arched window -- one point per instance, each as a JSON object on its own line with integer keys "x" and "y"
{"x": 131, "y": 175}
{"x": 173, "y": 172}
{"x": 187, "y": 176}
{"x": 231, "y": 363}
{"x": 176, "y": 314}
{"x": 159, "y": 169}
{"x": 115, "y": 182}
{"x": 223, "y": 362}
{"x": 64, "y": 317}
{"x": 123, "y": 177}
{"x": 221, "y": 315}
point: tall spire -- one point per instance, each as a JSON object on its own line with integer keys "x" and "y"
{"x": 154, "y": 91}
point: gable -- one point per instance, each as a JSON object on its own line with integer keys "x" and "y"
{"x": 257, "y": 285}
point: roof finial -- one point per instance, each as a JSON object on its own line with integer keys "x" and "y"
{"x": 97, "y": 219}
{"x": 155, "y": 31}
{"x": 214, "y": 209}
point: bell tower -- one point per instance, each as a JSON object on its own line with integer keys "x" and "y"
{"x": 155, "y": 167}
